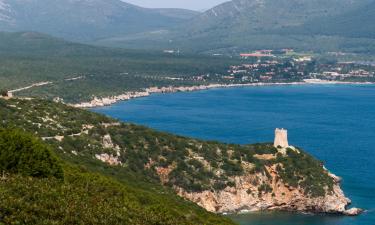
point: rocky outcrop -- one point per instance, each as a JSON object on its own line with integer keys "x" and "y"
{"x": 255, "y": 190}
{"x": 246, "y": 196}
{"x": 107, "y": 141}
{"x": 109, "y": 159}
{"x": 353, "y": 212}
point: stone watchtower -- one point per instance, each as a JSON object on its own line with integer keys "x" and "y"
{"x": 281, "y": 138}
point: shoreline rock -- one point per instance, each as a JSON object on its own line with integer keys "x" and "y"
{"x": 353, "y": 212}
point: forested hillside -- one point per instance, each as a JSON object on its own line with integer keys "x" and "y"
{"x": 27, "y": 58}
{"x": 243, "y": 25}
{"x": 234, "y": 26}
{"x": 83, "y": 20}
{"x": 357, "y": 23}
{"x": 252, "y": 17}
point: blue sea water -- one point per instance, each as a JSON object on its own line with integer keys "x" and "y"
{"x": 335, "y": 123}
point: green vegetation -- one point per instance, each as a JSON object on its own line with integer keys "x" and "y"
{"x": 81, "y": 20}
{"x": 3, "y": 93}
{"x": 87, "y": 198}
{"x": 61, "y": 165}
{"x": 264, "y": 188}
{"x": 27, "y": 58}
{"x": 191, "y": 164}
{"x": 38, "y": 188}
{"x": 301, "y": 169}
{"x": 23, "y": 154}
{"x": 77, "y": 73}
{"x": 34, "y": 193}
{"x": 355, "y": 23}
{"x": 235, "y": 26}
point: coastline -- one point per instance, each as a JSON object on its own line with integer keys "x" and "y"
{"x": 107, "y": 101}
{"x": 336, "y": 203}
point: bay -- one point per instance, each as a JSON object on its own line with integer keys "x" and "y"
{"x": 335, "y": 123}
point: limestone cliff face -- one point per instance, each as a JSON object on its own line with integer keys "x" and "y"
{"x": 246, "y": 196}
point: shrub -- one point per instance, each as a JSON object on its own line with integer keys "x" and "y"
{"x": 219, "y": 185}
{"x": 21, "y": 153}
{"x": 301, "y": 169}
{"x": 265, "y": 188}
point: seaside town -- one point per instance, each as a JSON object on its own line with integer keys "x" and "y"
{"x": 285, "y": 65}
{"x": 273, "y": 68}
{"x": 265, "y": 69}
{"x": 259, "y": 68}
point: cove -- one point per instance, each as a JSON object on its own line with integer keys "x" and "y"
{"x": 335, "y": 123}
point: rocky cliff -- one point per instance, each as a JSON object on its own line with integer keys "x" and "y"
{"x": 246, "y": 196}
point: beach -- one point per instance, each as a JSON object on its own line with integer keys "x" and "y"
{"x": 106, "y": 101}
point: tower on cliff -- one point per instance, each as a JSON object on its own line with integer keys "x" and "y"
{"x": 281, "y": 138}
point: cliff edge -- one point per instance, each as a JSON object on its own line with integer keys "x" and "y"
{"x": 261, "y": 192}
{"x": 290, "y": 180}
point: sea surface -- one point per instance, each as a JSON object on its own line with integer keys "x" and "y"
{"x": 335, "y": 123}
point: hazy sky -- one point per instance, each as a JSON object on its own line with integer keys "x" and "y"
{"x": 187, "y": 4}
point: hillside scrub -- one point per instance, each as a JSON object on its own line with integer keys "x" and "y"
{"x": 32, "y": 192}
{"x": 88, "y": 198}
{"x": 21, "y": 153}
{"x": 171, "y": 160}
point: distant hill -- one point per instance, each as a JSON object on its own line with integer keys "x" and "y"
{"x": 357, "y": 23}
{"x": 240, "y": 25}
{"x": 86, "y": 20}
{"x": 234, "y": 26}
{"x": 33, "y": 43}
{"x": 258, "y": 23}
{"x": 256, "y": 16}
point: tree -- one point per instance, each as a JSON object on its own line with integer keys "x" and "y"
{"x": 22, "y": 153}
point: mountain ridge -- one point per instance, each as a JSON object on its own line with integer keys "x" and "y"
{"x": 233, "y": 26}
{"x": 83, "y": 20}
{"x": 257, "y": 17}
{"x": 243, "y": 25}
{"x": 356, "y": 23}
